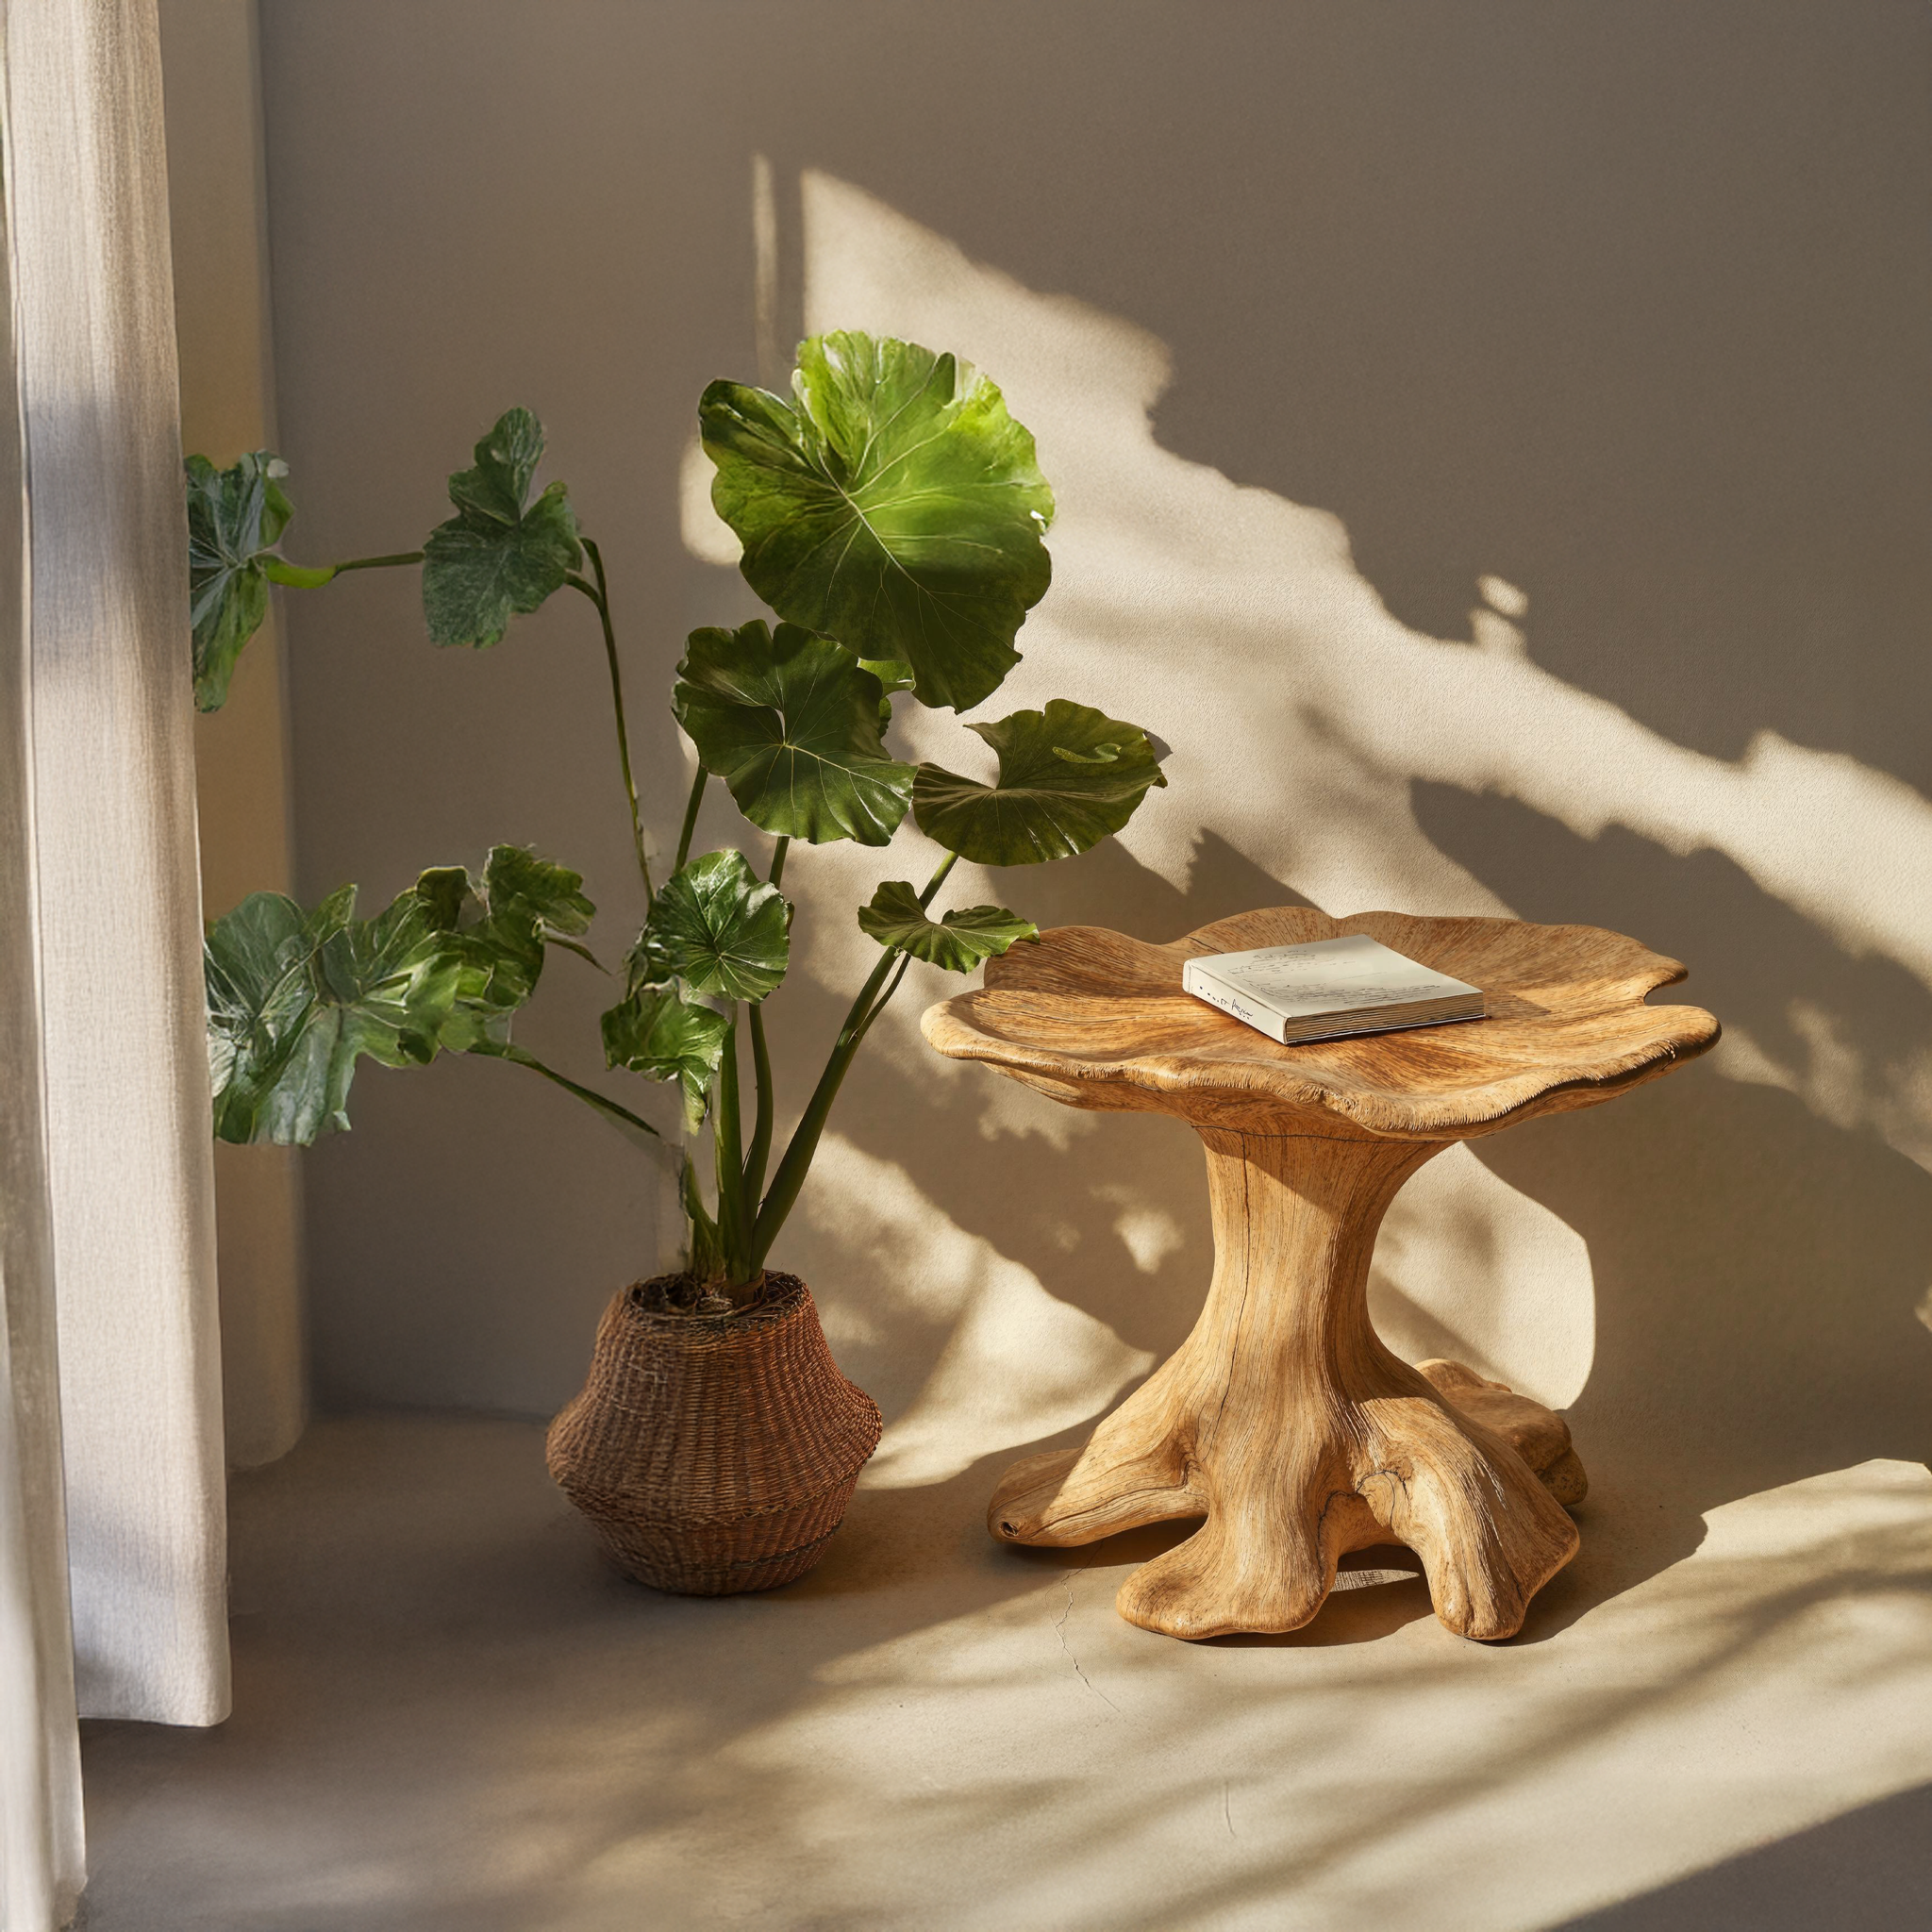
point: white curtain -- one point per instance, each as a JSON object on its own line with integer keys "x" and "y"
{"x": 40, "y": 1745}
{"x": 109, "y": 1205}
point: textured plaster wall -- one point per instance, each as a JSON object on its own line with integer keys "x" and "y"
{"x": 1491, "y": 445}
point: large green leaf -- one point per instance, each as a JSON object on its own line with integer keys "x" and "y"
{"x": 1068, "y": 776}
{"x": 656, "y": 1031}
{"x": 958, "y": 943}
{"x": 500, "y": 553}
{"x": 792, "y": 724}
{"x": 234, "y": 518}
{"x": 716, "y": 927}
{"x": 295, "y": 998}
{"x": 894, "y": 504}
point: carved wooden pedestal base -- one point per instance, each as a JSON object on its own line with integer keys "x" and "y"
{"x": 1282, "y": 1419}
{"x": 1285, "y": 1422}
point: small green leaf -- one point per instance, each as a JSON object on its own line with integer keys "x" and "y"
{"x": 445, "y": 889}
{"x": 792, "y": 724}
{"x": 1068, "y": 776}
{"x": 656, "y": 1031}
{"x": 394, "y": 981}
{"x": 958, "y": 943}
{"x": 894, "y": 504}
{"x": 499, "y": 487}
{"x": 499, "y": 926}
{"x": 716, "y": 927}
{"x": 234, "y": 517}
{"x": 647, "y": 962}
{"x": 500, "y": 553}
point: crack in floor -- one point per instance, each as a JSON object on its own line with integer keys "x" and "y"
{"x": 1060, "y": 1631}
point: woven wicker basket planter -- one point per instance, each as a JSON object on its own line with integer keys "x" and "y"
{"x": 714, "y": 1454}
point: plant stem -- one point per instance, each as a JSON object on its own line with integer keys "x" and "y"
{"x": 937, "y": 880}
{"x": 761, "y": 1072}
{"x": 892, "y": 987}
{"x": 704, "y": 1230}
{"x": 761, "y": 1130}
{"x": 522, "y": 1058}
{"x": 805, "y": 1137}
{"x": 690, "y": 817}
{"x": 599, "y": 594}
{"x": 804, "y": 1144}
{"x": 729, "y": 1149}
{"x": 311, "y": 577}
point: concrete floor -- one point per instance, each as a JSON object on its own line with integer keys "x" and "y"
{"x": 451, "y": 1716}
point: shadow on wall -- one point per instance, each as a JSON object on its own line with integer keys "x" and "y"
{"x": 1719, "y": 1276}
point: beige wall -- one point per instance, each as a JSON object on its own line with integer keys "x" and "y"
{"x": 219, "y": 220}
{"x": 1323, "y": 315}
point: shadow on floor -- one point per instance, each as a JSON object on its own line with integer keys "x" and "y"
{"x": 1866, "y": 1872}
{"x": 451, "y": 1716}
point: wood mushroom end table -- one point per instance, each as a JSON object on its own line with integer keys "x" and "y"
{"x": 1283, "y": 1420}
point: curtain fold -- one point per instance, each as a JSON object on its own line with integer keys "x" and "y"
{"x": 129, "y": 1168}
{"x": 41, "y": 1839}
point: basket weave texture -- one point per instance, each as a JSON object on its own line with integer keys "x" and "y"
{"x": 714, "y": 1454}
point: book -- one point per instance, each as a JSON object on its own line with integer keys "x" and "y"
{"x": 1329, "y": 988}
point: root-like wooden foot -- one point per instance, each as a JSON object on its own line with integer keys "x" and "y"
{"x": 1537, "y": 1434}
{"x": 1285, "y": 1422}
{"x": 1131, "y": 1471}
{"x": 1420, "y": 1469}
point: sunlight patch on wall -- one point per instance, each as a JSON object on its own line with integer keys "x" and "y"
{"x": 1468, "y": 1266}
{"x": 1008, "y": 1109}
{"x": 1304, "y": 718}
{"x": 706, "y": 534}
{"x": 1016, "y": 1364}
{"x": 1838, "y": 1082}
{"x": 1148, "y": 1232}
{"x": 1496, "y": 623}
{"x": 1152, "y": 554}
{"x": 1294, "y": 668}
{"x": 1300, "y": 711}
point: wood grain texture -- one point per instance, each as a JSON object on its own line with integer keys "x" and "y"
{"x": 1099, "y": 1020}
{"x": 1283, "y": 1421}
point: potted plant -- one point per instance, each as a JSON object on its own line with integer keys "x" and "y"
{"x": 892, "y": 516}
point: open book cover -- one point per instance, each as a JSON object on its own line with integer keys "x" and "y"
{"x": 1328, "y": 989}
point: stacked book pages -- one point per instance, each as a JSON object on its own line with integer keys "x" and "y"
{"x": 1328, "y": 989}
